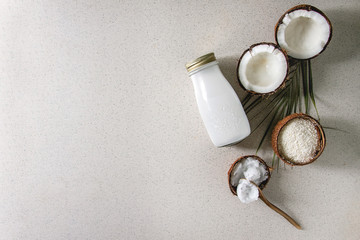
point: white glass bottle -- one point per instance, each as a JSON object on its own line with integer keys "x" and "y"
{"x": 219, "y": 106}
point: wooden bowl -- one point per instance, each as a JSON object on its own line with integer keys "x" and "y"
{"x": 262, "y": 184}
{"x": 320, "y": 132}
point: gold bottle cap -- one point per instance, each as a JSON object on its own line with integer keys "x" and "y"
{"x": 200, "y": 61}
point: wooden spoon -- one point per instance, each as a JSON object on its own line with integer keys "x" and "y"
{"x": 276, "y": 209}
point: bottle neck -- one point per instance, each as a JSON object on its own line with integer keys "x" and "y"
{"x": 203, "y": 67}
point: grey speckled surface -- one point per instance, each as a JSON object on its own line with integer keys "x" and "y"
{"x": 100, "y": 136}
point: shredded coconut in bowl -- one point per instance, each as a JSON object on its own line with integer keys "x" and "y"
{"x": 298, "y": 140}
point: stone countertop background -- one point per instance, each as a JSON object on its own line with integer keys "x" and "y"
{"x": 100, "y": 136}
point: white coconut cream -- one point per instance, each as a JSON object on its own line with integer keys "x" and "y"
{"x": 247, "y": 192}
{"x": 251, "y": 169}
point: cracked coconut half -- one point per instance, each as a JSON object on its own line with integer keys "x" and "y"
{"x": 303, "y": 32}
{"x": 262, "y": 69}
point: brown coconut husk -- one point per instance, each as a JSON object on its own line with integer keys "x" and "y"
{"x": 308, "y": 8}
{"x": 282, "y": 85}
{"x": 283, "y": 122}
{"x": 262, "y": 185}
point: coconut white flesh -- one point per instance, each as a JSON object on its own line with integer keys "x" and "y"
{"x": 263, "y": 68}
{"x": 303, "y": 34}
{"x": 246, "y": 191}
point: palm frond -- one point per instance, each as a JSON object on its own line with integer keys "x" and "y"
{"x": 246, "y": 99}
{"x": 253, "y": 104}
{"x": 311, "y": 90}
{"x": 305, "y": 85}
{"x": 295, "y": 95}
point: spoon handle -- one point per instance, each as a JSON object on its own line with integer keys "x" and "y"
{"x": 278, "y": 210}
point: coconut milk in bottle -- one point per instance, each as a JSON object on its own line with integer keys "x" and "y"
{"x": 219, "y": 106}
